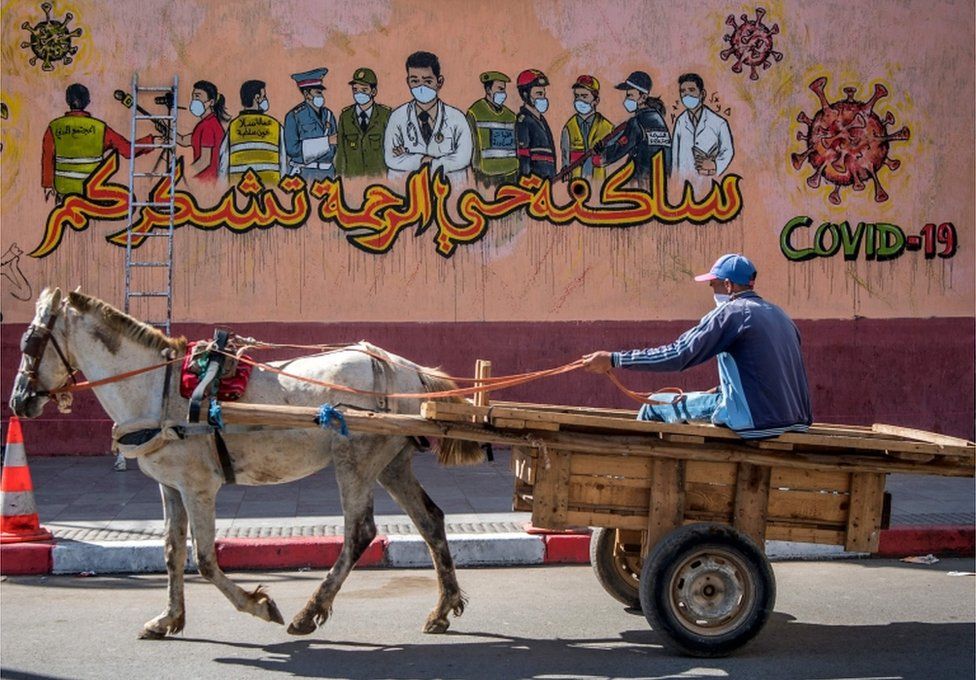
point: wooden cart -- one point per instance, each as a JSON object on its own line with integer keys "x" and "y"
{"x": 681, "y": 512}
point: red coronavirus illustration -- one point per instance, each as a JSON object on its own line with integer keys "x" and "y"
{"x": 847, "y": 142}
{"x": 751, "y": 42}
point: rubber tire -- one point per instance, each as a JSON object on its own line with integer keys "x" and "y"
{"x": 668, "y": 555}
{"x": 602, "y": 559}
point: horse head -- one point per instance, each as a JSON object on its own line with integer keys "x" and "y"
{"x": 46, "y": 361}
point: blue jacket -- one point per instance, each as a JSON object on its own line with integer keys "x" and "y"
{"x": 763, "y": 383}
{"x": 302, "y": 122}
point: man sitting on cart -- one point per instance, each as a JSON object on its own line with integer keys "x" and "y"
{"x": 763, "y": 388}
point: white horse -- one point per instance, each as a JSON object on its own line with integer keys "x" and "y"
{"x": 81, "y": 333}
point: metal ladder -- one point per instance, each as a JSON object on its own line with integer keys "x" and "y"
{"x": 134, "y": 290}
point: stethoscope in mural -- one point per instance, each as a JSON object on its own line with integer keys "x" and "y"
{"x": 413, "y": 131}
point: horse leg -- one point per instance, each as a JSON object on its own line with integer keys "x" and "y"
{"x": 360, "y": 530}
{"x": 200, "y": 505}
{"x": 173, "y": 619}
{"x": 398, "y": 479}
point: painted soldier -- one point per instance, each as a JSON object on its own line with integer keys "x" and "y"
{"x": 361, "y": 129}
{"x": 310, "y": 130}
{"x": 493, "y": 130}
{"x": 646, "y": 134}
{"x": 536, "y": 148}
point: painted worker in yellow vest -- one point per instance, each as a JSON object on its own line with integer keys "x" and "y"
{"x": 254, "y": 141}
{"x": 493, "y": 130}
{"x": 584, "y": 129}
{"x": 74, "y": 144}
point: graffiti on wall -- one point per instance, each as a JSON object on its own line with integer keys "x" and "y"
{"x": 51, "y": 40}
{"x": 872, "y": 241}
{"x": 847, "y": 142}
{"x": 17, "y": 284}
{"x": 751, "y": 43}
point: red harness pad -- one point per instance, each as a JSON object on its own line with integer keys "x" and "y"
{"x": 230, "y": 388}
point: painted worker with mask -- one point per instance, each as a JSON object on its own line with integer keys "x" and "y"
{"x": 584, "y": 129}
{"x": 646, "y": 134}
{"x": 763, "y": 390}
{"x": 702, "y": 145}
{"x": 536, "y": 147}
{"x": 493, "y": 131}
{"x": 425, "y": 130}
{"x": 254, "y": 140}
{"x": 206, "y": 104}
{"x": 361, "y": 129}
{"x": 311, "y": 130}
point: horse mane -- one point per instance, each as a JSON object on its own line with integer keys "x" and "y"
{"x": 124, "y": 324}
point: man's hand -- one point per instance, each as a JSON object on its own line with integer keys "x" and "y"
{"x": 426, "y": 160}
{"x": 598, "y": 362}
{"x": 398, "y": 150}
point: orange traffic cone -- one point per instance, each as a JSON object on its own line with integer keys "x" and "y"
{"x": 18, "y": 512}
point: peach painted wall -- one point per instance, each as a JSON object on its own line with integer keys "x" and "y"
{"x": 523, "y": 270}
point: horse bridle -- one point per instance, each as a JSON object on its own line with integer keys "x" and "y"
{"x": 32, "y": 346}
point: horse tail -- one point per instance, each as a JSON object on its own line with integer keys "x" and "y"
{"x": 451, "y": 451}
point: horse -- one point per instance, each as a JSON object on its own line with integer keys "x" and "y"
{"x": 77, "y": 332}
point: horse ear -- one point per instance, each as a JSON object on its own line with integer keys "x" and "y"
{"x": 56, "y": 298}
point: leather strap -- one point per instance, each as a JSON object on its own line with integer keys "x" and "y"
{"x": 223, "y": 455}
{"x": 214, "y": 368}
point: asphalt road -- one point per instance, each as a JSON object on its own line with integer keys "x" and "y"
{"x": 873, "y": 619}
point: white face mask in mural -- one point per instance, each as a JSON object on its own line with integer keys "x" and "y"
{"x": 318, "y": 101}
{"x": 582, "y": 108}
{"x": 361, "y": 98}
{"x": 721, "y": 299}
{"x": 424, "y": 94}
{"x": 499, "y": 98}
{"x": 690, "y": 102}
{"x": 541, "y": 104}
{"x": 197, "y": 108}
{"x": 630, "y": 105}
{"x": 265, "y": 105}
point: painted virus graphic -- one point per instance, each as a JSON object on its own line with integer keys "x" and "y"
{"x": 751, "y": 43}
{"x": 50, "y": 40}
{"x": 847, "y": 142}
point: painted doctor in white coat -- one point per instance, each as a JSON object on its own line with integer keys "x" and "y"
{"x": 425, "y": 129}
{"x": 701, "y": 147}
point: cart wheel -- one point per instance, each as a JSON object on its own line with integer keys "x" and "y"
{"x": 618, "y": 574}
{"x": 708, "y": 588}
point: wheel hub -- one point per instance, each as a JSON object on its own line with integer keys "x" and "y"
{"x": 710, "y": 590}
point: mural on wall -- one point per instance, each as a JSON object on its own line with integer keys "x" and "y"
{"x": 17, "y": 284}
{"x": 51, "y": 40}
{"x": 874, "y": 241}
{"x": 847, "y": 142}
{"x": 751, "y": 43}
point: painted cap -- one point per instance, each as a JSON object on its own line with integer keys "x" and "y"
{"x": 311, "y": 78}
{"x": 588, "y": 82}
{"x": 532, "y": 77}
{"x": 638, "y": 80}
{"x": 363, "y": 76}
{"x": 492, "y": 76}
{"x": 732, "y": 267}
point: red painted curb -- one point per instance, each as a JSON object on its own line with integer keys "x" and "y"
{"x": 940, "y": 540}
{"x": 20, "y": 559}
{"x": 567, "y": 549}
{"x": 287, "y": 553}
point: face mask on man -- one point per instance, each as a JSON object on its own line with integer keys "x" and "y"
{"x": 690, "y": 102}
{"x": 264, "y": 105}
{"x": 721, "y": 299}
{"x": 630, "y": 105}
{"x": 499, "y": 98}
{"x": 423, "y": 94}
{"x": 197, "y": 108}
{"x": 361, "y": 98}
{"x": 583, "y": 108}
{"x": 318, "y": 101}
{"x": 541, "y": 104}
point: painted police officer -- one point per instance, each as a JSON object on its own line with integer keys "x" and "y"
{"x": 310, "y": 130}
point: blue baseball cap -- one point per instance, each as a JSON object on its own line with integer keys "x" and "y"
{"x": 732, "y": 267}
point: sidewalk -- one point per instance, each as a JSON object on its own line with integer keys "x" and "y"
{"x": 107, "y": 521}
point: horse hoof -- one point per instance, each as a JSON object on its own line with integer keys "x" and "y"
{"x": 437, "y": 626}
{"x": 274, "y": 613}
{"x": 149, "y": 634}
{"x": 300, "y": 627}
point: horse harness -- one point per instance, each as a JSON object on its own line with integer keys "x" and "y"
{"x": 32, "y": 346}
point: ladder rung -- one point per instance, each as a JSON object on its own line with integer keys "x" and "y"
{"x": 163, "y": 324}
{"x": 153, "y": 204}
{"x": 150, "y": 293}
{"x": 140, "y": 116}
{"x": 151, "y": 234}
{"x": 149, "y": 264}
{"x": 154, "y": 146}
{"x": 150, "y": 174}
{"x": 140, "y": 88}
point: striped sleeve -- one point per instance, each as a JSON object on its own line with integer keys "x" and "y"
{"x": 714, "y": 334}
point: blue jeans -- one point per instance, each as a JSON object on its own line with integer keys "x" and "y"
{"x": 689, "y": 407}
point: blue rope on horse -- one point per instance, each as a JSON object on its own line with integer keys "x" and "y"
{"x": 329, "y": 414}
{"x": 215, "y": 417}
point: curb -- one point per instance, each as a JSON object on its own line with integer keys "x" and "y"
{"x": 497, "y": 550}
